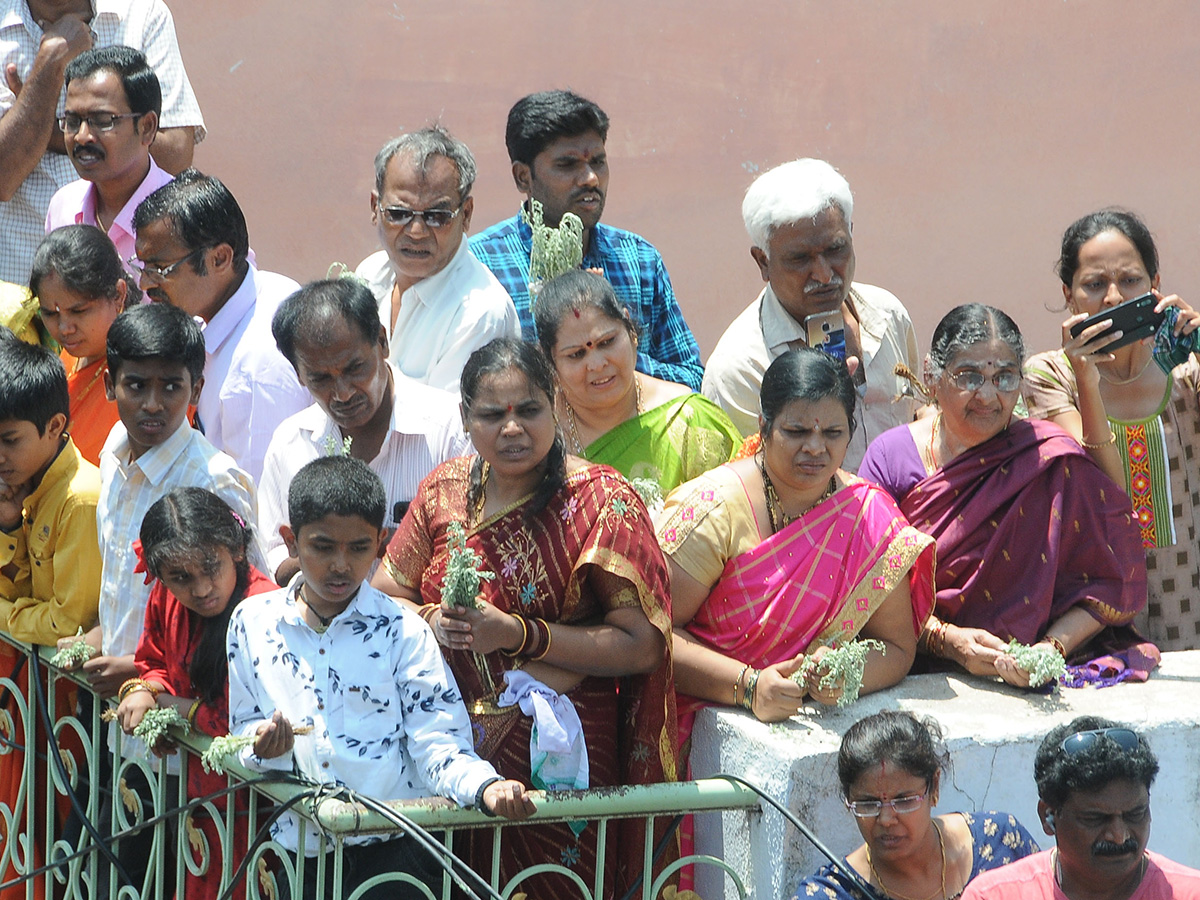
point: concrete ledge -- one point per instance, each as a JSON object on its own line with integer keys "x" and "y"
{"x": 992, "y": 732}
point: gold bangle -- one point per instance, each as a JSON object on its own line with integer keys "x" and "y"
{"x": 191, "y": 716}
{"x": 738, "y": 683}
{"x": 1099, "y": 445}
{"x": 427, "y": 611}
{"x": 521, "y": 647}
{"x": 549, "y": 638}
{"x": 748, "y": 694}
{"x": 1057, "y": 645}
{"x": 130, "y": 685}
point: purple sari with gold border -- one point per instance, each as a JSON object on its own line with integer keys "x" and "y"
{"x": 1027, "y": 526}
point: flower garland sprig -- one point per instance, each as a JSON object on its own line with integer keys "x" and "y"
{"x": 1044, "y": 664}
{"x": 555, "y": 251}
{"x": 463, "y": 575}
{"x": 157, "y": 722}
{"x": 842, "y": 665}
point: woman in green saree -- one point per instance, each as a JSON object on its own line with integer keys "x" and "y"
{"x": 656, "y": 433}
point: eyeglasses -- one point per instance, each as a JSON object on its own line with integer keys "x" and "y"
{"x": 102, "y": 122}
{"x": 160, "y": 273}
{"x": 1080, "y": 741}
{"x": 1005, "y": 382}
{"x": 869, "y": 809}
{"x": 433, "y": 218}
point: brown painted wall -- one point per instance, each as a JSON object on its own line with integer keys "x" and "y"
{"x": 971, "y": 132}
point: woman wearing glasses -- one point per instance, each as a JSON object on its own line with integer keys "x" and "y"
{"x": 890, "y": 767}
{"x": 1034, "y": 542}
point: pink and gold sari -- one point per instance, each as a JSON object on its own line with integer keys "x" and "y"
{"x": 542, "y": 565}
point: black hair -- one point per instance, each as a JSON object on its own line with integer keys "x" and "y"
{"x": 494, "y": 358}
{"x": 201, "y": 213}
{"x": 156, "y": 331}
{"x": 319, "y": 303}
{"x": 913, "y": 745}
{"x": 1058, "y": 773}
{"x": 337, "y": 486}
{"x": 141, "y": 86}
{"x": 967, "y": 325}
{"x": 186, "y": 524}
{"x": 539, "y": 119}
{"x": 1083, "y": 230}
{"x": 33, "y": 384}
{"x": 571, "y": 292}
{"x": 806, "y": 374}
{"x": 86, "y": 262}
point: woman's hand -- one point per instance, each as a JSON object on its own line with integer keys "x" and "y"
{"x": 825, "y": 696}
{"x": 1007, "y": 668}
{"x": 133, "y": 707}
{"x": 482, "y": 630}
{"x": 1088, "y": 348}
{"x": 776, "y": 696}
{"x": 1189, "y": 319}
{"x": 974, "y": 649}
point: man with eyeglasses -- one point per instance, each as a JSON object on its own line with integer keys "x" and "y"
{"x": 798, "y": 216}
{"x": 437, "y": 302}
{"x": 1093, "y": 778}
{"x": 556, "y": 142}
{"x": 38, "y": 39}
{"x": 109, "y": 124}
{"x": 193, "y": 251}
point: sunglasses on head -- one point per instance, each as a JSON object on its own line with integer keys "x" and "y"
{"x": 1080, "y": 741}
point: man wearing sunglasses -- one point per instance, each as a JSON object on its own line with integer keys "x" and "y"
{"x": 109, "y": 124}
{"x": 38, "y": 39}
{"x": 1093, "y": 778}
{"x": 437, "y": 302}
{"x": 193, "y": 251}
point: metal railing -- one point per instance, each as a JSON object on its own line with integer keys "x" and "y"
{"x": 43, "y": 855}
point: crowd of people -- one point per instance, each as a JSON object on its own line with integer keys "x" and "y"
{"x": 250, "y": 498}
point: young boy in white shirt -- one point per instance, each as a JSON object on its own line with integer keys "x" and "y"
{"x": 381, "y": 712}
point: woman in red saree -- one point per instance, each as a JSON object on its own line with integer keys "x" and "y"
{"x": 1034, "y": 542}
{"x": 784, "y": 554}
{"x": 578, "y": 604}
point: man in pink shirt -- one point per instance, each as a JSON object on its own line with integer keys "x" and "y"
{"x": 109, "y": 123}
{"x": 1093, "y": 779}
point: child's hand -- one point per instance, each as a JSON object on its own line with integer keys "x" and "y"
{"x": 108, "y": 673}
{"x": 64, "y": 642}
{"x": 508, "y": 799}
{"x": 482, "y": 630}
{"x": 275, "y": 737}
{"x": 12, "y": 505}
{"x": 133, "y": 707}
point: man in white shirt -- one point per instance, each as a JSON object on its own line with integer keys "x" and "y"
{"x": 436, "y": 300}
{"x": 192, "y": 251}
{"x": 109, "y": 124}
{"x": 365, "y": 408}
{"x": 798, "y": 216}
{"x": 38, "y": 38}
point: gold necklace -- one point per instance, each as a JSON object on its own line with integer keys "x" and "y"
{"x": 933, "y": 431}
{"x": 573, "y": 425}
{"x": 100, "y": 370}
{"x": 1117, "y": 382}
{"x": 476, "y": 515}
{"x": 773, "y": 502}
{"x": 941, "y": 891}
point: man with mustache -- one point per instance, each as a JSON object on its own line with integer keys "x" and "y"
{"x": 38, "y": 39}
{"x": 556, "y": 141}
{"x": 109, "y": 124}
{"x": 1093, "y": 779}
{"x": 798, "y": 216}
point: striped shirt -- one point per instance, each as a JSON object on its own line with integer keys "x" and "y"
{"x": 145, "y": 25}
{"x": 425, "y": 431}
{"x": 632, "y": 266}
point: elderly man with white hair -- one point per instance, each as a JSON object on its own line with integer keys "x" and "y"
{"x": 798, "y": 216}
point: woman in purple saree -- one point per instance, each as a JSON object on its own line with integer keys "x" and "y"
{"x": 1034, "y": 542}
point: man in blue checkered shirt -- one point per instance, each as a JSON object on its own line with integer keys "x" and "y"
{"x": 556, "y": 143}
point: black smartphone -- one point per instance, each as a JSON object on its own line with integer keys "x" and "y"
{"x": 1135, "y": 318}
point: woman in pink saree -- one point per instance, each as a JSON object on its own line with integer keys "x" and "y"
{"x": 784, "y": 555}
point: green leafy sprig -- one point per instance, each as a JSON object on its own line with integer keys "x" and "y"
{"x": 842, "y": 665}
{"x": 1044, "y": 664}
{"x": 157, "y": 722}
{"x": 332, "y": 448}
{"x": 555, "y": 250}
{"x": 221, "y": 748}
{"x": 463, "y": 575}
{"x": 74, "y": 655}
{"x": 649, "y": 490}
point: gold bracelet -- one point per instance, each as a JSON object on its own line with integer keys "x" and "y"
{"x": 130, "y": 685}
{"x": 191, "y": 716}
{"x": 748, "y": 694}
{"x": 1100, "y": 445}
{"x": 542, "y": 623}
{"x": 1057, "y": 645}
{"x": 738, "y": 682}
{"x": 523, "y": 646}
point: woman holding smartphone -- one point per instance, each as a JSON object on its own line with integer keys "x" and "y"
{"x": 1132, "y": 417}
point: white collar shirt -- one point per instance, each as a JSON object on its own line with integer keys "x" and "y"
{"x": 386, "y": 714}
{"x": 425, "y": 431}
{"x": 249, "y": 387}
{"x": 444, "y": 318}
{"x": 145, "y": 25}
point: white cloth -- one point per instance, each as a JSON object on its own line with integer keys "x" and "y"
{"x": 558, "y": 756}
{"x": 387, "y": 716}
{"x": 765, "y": 331}
{"x": 75, "y": 204}
{"x": 425, "y": 431}
{"x": 145, "y": 25}
{"x": 249, "y": 387}
{"x": 443, "y": 318}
